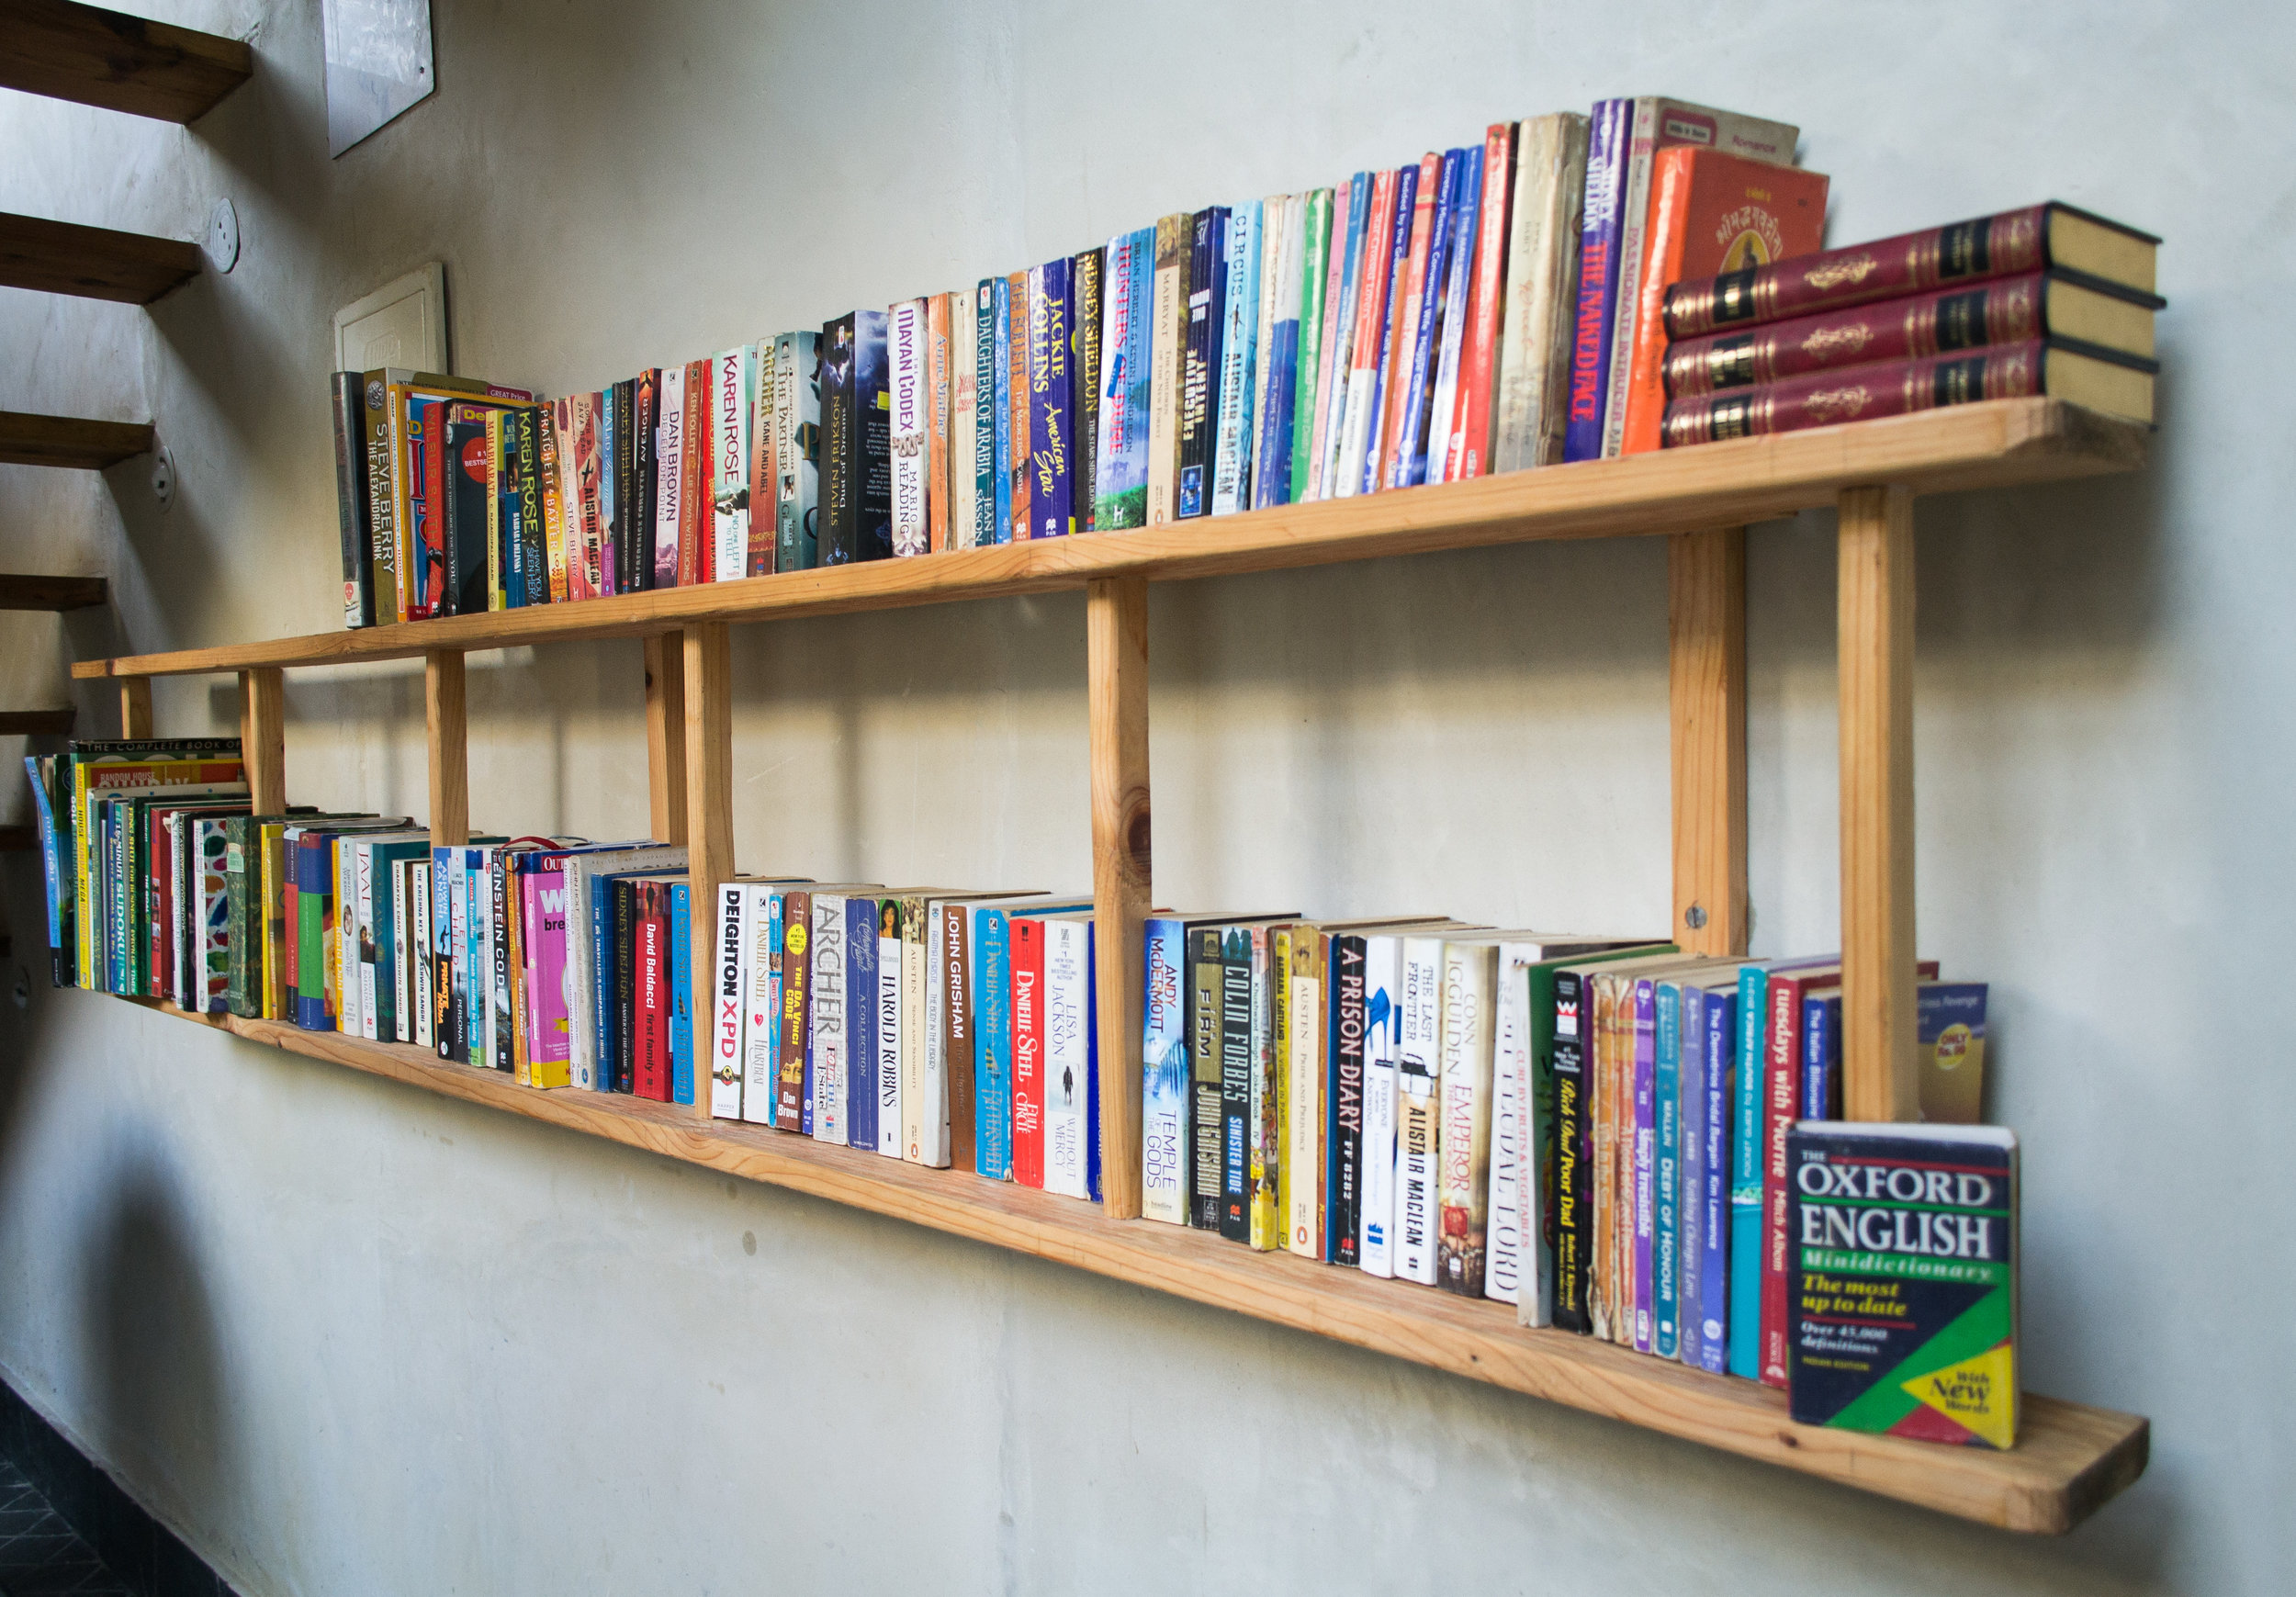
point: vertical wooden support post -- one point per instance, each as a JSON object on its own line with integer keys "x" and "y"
{"x": 1117, "y": 652}
{"x": 709, "y": 827}
{"x": 135, "y": 706}
{"x": 442, "y": 707}
{"x": 1705, "y": 623}
{"x": 263, "y": 737}
{"x": 666, "y": 739}
{"x": 1879, "y": 1079}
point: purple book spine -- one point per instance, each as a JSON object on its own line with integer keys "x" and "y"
{"x": 1645, "y": 1151}
{"x": 1601, "y": 219}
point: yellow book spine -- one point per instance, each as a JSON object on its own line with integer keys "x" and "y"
{"x": 1269, "y": 1175}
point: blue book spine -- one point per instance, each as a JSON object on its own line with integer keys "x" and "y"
{"x": 1397, "y": 264}
{"x": 1719, "y": 1085}
{"x": 1666, "y": 1221}
{"x": 1052, "y": 433}
{"x": 681, "y": 992}
{"x": 992, "y": 1029}
{"x": 1409, "y": 465}
{"x": 1092, "y": 1068}
{"x": 1164, "y": 1062}
{"x": 311, "y": 987}
{"x": 860, "y": 1023}
{"x": 1746, "y": 1122}
{"x": 1691, "y": 1199}
{"x": 1272, "y": 474}
{"x": 1602, "y": 218}
{"x": 1239, "y": 355}
{"x": 1450, "y": 341}
{"x": 1126, "y": 339}
{"x": 1001, "y": 393}
{"x": 602, "y": 975}
{"x": 1815, "y": 1039}
{"x": 50, "y": 861}
{"x": 987, "y": 474}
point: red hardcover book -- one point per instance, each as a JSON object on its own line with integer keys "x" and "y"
{"x": 1403, "y": 317}
{"x": 695, "y": 513}
{"x": 1470, "y": 453}
{"x": 430, "y": 523}
{"x": 650, "y": 992}
{"x": 1027, "y": 1052}
{"x": 1711, "y": 212}
{"x": 2007, "y": 245}
{"x": 2113, "y": 385}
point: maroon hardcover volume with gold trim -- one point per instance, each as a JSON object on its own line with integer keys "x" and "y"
{"x": 2049, "y": 235}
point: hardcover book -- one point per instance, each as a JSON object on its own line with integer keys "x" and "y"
{"x": 1904, "y": 1280}
{"x": 1127, "y": 337}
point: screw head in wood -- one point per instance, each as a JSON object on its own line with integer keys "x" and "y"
{"x": 1696, "y": 917}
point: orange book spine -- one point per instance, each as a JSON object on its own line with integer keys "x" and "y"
{"x": 1404, "y": 316}
{"x": 1662, "y": 265}
{"x": 694, "y": 507}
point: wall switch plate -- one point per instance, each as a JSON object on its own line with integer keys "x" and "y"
{"x": 400, "y": 324}
{"x": 223, "y": 239}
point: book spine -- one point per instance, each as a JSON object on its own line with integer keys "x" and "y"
{"x": 1511, "y": 1203}
{"x": 1643, "y": 1192}
{"x": 1717, "y": 1212}
{"x": 1167, "y": 344}
{"x": 992, "y": 435}
{"x": 1274, "y": 224}
{"x": 1344, "y": 259}
{"x": 1419, "y": 1111}
{"x": 679, "y": 898}
{"x": 789, "y": 1108}
{"x": 1235, "y": 1084}
{"x": 645, "y": 477}
{"x": 438, "y": 568}
{"x": 381, "y": 480}
{"x": 1199, "y": 398}
{"x": 1070, "y": 1131}
{"x": 801, "y": 481}
{"x": 1689, "y": 1118}
{"x": 731, "y": 379}
{"x": 949, "y": 1092}
{"x": 588, "y": 577}
{"x": 992, "y": 1035}
{"x": 1028, "y": 1051}
{"x": 761, "y": 1001}
{"x": 964, "y": 419}
{"x": 1963, "y": 252}
{"x": 1382, "y": 989}
{"x": 1086, "y": 287}
{"x": 421, "y": 1004}
{"x": 1308, "y": 1164}
{"x": 841, "y": 464}
{"x": 1780, "y": 1080}
{"x": 1344, "y": 1176}
{"x": 1238, "y": 364}
{"x": 1206, "y": 1123}
{"x": 860, "y": 1023}
{"x": 908, "y": 368}
{"x": 629, "y": 937}
{"x": 670, "y": 452}
{"x": 362, "y": 920}
{"x": 1446, "y": 438}
{"x": 651, "y": 1012}
{"x": 1000, "y": 393}
{"x": 1859, "y": 393}
{"x": 1279, "y": 354}
{"x": 734, "y": 954}
{"x": 613, "y": 444}
{"x": 923, "y": 1029}
{"x": 1574, "y": 1209}
{"x": 1052, "y": 419}
{"x": 239, "y": 896}
{"x": 940, "y": 402}
{"x": 533, "y": 549}
{"x": 348, "y": 391}
{"x": 1464, "y": 1147}
{"x": 549, "y": 427}
{"x": 1666, "y": 1214}
{"x": 1552, "y": 314}
{"x": 1473, "y": 439}
{"x": 1411, "y": 417}
{"x": 1404, "y": 354}
{"x": 893, "y": 1026}
{"x": 761, "y": 522}
{"x": 1127, "y": 338}
{"x": 1165, "y": 1073}
{"x": 1275, "y": 1101}
{"x": 1318, "y": 304}
{"x": 1601, "y": 217}
{"x": 2009, "y": 310}
{"x": 1387, "y": 257}
{"x": 827, "y": 1059}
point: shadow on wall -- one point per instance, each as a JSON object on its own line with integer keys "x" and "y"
{"x": 159, "y": 1407}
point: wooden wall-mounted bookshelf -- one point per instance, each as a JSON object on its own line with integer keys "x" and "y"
{"x": 115, "y": 62}
{"x": 70, "y": 441}
{"x": 23, "y": 590}
{"x": 2069, "y": 1459}
{"x": 52, "y": 257}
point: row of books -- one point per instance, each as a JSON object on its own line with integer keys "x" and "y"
{"x": 1596, "y": 1130}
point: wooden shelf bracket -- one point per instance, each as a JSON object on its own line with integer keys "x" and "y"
{"x": 1705, "y": 614}
{"x": 448, "y": 726}
{"x": 1116, "y": 620}
{"x": 707, "y": 691}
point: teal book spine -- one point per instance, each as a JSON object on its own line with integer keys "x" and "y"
{"x": 796, "y": 451}
{"x": 991, "y": 1028}
{"x": 1666, "y": 1222}
{"x": 1126, "y": 330}
{"x": 681, "y": 992}
{"x": 1239, "y": 357}
{"x": 987, "y": 391}
{"x": 1001, "y": 389}
{"x": 1745, "y": 1127}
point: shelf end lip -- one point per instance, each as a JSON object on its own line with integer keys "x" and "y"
{"x": 90, "y": 671}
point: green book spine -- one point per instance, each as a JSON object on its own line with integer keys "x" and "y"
{"x": 1318, "y": 263}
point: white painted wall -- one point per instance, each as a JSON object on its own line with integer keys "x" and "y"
{"x": 354, "y": 1339}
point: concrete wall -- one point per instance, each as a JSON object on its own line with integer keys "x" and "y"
{"x": 354, "y": 1338}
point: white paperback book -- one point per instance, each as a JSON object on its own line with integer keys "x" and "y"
{"x": 729, "y": 992}
{"x": 1509, "y": 1260}
{"x": 1418, "y": 1107}
{"x": 732, "y": 379}
{"x": 907, "y": 394}
{"x": 1068, "y": 1052}
{"x": 915, "y": 930}
{"x": 424, "y": 1016}
{"x": 1303, "y": 1108}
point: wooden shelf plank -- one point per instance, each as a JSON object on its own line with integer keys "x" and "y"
{"x": 27, "y": 440}
{"x": 36, "y": 723}
{"x": 2001, "y": 444}
{"x": 2070, "y": 1460}
{"x": 53, "y": 257}
{"x": 20, "y": 590}
{"x": 68, "y": 51}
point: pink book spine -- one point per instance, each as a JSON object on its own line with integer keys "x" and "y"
{"x": 547, "y": 1040}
